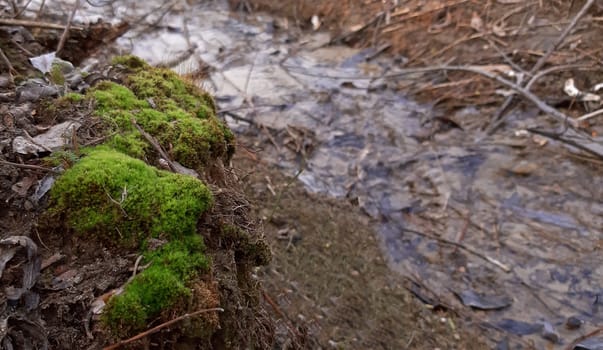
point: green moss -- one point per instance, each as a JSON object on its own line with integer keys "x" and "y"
{"x": 130, "y": 61}
{"x": 161, "y": 286}
{"x": 56, "y": 75}
{"x": 112, "y": 195}
{"x": 73, "y": 97}
{"x": 58, "y": 69}
{"x": 61, "y": 158}
{"x": 177, "y": 113}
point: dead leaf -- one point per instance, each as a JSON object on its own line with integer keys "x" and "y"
{"x": 22, "y": 187}
{"x": 476, "y": 22}
{"x": 499, "y": 31}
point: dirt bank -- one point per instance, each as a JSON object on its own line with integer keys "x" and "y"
{"x": 328, "y": 274}
{"x": 121, "y": 220}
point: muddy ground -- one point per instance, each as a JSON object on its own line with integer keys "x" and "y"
{"x": 328, "y": 273}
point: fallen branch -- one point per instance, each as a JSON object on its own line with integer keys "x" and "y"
{"x": 34, "y": 24}
{"x": 590, "y": 115}
{"x": 499, "y": 116}
{"x": 29, "y": 166}
{"x": 573, "y": 138}
{"x": 521, "y": 90}
{"x": 491, "y": 260}
{"x": 577, "y": 341}
{"x": 22, "y": 9}
{"x": 160, "y": 327}
{"x": 9, "y": 66}
{"x": 67, "y": 26}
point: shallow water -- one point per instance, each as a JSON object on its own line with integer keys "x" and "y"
{"x": 456, "y": 215}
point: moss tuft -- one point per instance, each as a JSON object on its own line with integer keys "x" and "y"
{"x": 109, "y": 192}
{"x": 130, "y": 61}
{"x": 161, "y": 286}
{"x": 177, "y": 113}
{"x": 56, "y": 75}
{"x": 114, "y": 196}
{"x": 66, "y": 159}
{"x": 73, "y": 97}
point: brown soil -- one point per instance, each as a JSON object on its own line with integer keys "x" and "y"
{"x": 54, "y": 280}
{"x": 328, "y": 275}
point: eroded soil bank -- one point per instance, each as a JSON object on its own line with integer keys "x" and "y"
{"x": 121, "y": 222}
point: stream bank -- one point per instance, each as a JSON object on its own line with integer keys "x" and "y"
{"x": 507, "y": 224}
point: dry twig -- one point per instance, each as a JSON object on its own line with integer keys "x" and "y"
{"x": 491, "y": 260}
{"x": 160, "y": 327}
{"x": 66, "y": 31}
{"x": 521, "y": 90}
{"x": 11, "y": 69}
{"x": 28, "y": 166}
{"x": 498, "y": 117}
{"x": 34, "y": 24}
{"x": 174, "y": 166}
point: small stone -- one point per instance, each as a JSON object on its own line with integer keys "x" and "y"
{"x": 524, "y": 168}
{"x": 549, "y": 333}
{"x": 27, "y": 205}
{"x": 58, "y": 136}
{"x": 23, "y": 146}
{"x": 573, "y": 323}
{"x": 5, "y": 82}
{"x": 34, "y": 93}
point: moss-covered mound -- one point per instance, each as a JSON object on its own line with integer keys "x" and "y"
{"x": 162, "y": 286}
{"x": 114, "y": 196}
{"x": 113, "y": 193}
{"x": 180, "y": 115}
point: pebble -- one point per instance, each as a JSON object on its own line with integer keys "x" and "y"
{"x": 549, "y": 333}
{"x": 23, "y": 146}
{"x": 573, "y": 323}
{"x": 524, "y": 168}
{"x": 5, "y": 82}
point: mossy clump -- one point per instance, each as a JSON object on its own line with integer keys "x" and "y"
{"x": 110, "y": 193}
{"x": 178, "y": 114}
{"x": 114, "y": 196}
{"x": 73, "y": 97}
{"x": 164, "y": 285}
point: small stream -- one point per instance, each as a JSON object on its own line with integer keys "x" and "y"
{"x": 506, "y": 228}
